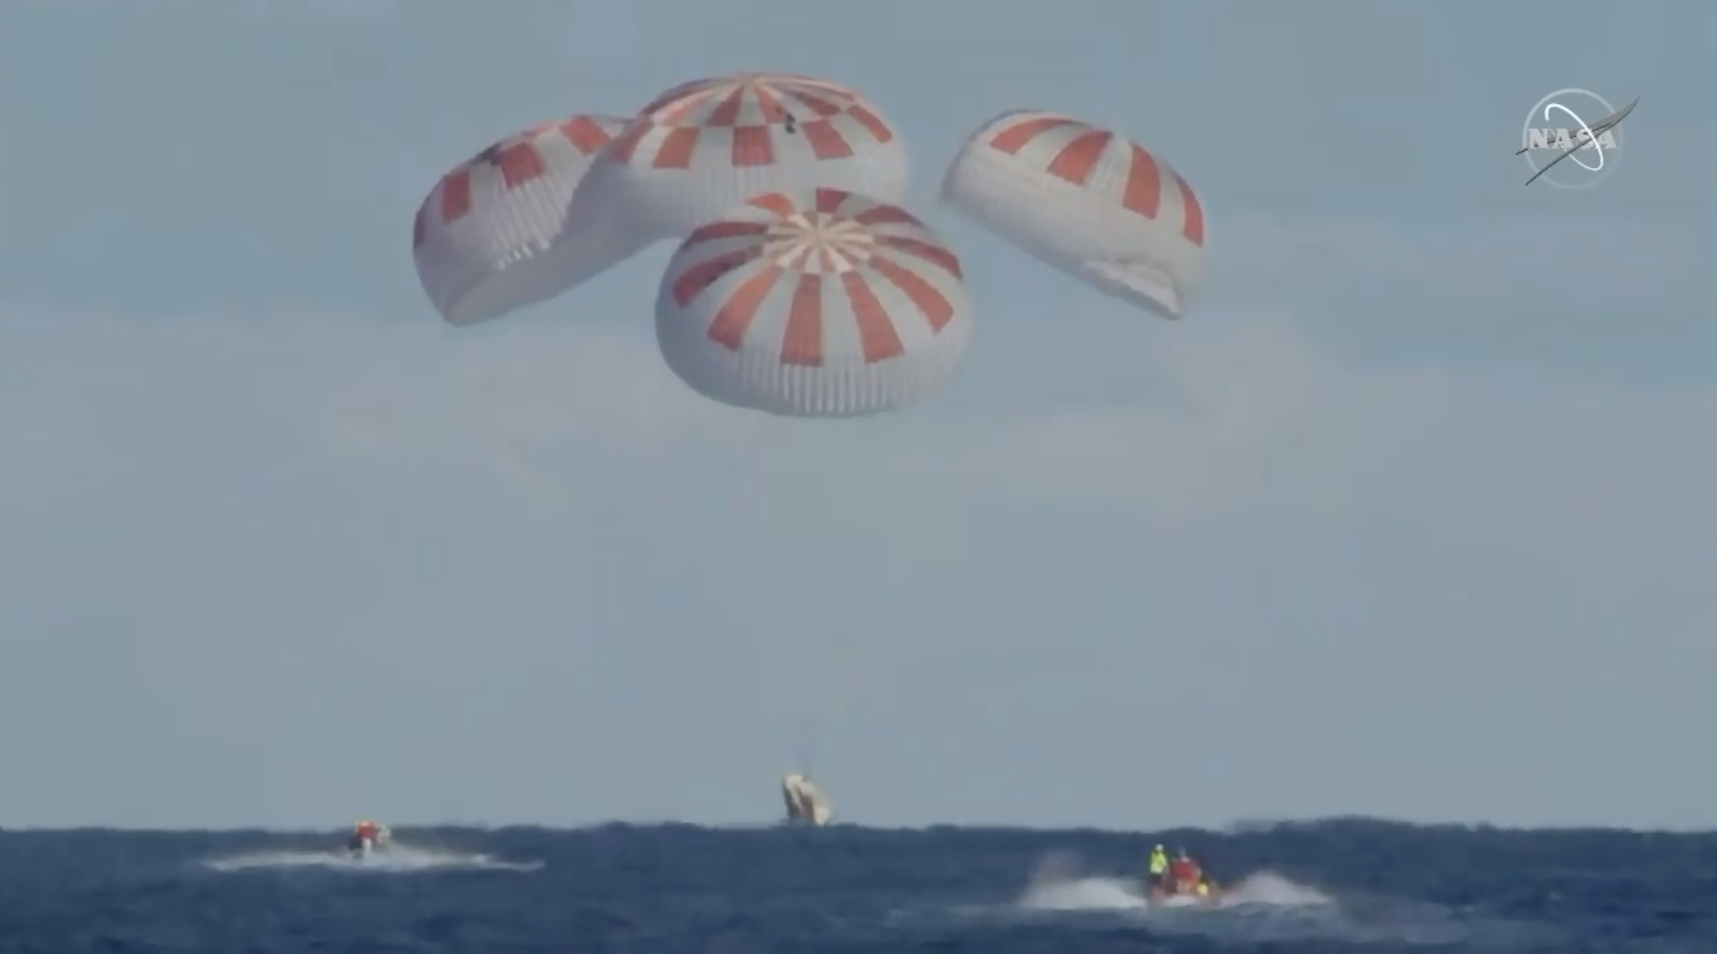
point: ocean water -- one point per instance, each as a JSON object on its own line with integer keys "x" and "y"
{"x": 1351, "y": 886}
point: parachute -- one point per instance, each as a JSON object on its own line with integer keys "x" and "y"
{"x": 1087, "y": 201}
{"x": 494, "y": 236}
{"x": 802, "y": 287}
{"x": 705, "y": 146}
{"x": 837, "y": 305}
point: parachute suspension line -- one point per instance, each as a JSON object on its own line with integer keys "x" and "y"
{"x": 815, "y": 664}
{"x": 770, "y": 627}
{"x": 860, "y": 642}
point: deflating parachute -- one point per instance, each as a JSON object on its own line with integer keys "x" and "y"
{"x": 1087, "y": 201}
{"x": 840, "y": 306}
{"x": 494, "y": 236}
{"x": 704, "y": 147}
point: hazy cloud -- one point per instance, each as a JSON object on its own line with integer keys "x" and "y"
{"x": 1324, "y": 492}
{"x": 1546, "y": 261}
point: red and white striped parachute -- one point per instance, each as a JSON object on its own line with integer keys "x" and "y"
{"x": 494, "y": 234}
{"x": 704, "y": 147}
{"x": 1087, "y": 201}
{"x": 838, "y": 306}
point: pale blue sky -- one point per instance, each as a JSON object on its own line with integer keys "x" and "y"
{"x": 1413, "y": 516}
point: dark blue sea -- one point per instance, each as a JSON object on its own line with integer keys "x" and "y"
{"x": 1358, "y": 886}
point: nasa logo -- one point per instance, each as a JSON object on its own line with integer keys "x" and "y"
{"x": 1577, "y": 124}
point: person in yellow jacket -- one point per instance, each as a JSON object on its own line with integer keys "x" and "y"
{"x": 1159, "y": 866}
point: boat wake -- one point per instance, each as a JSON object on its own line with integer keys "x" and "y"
{"x": 1261, "y": 889}
{"x": 398, "y": 859}
{"x": 1263, "y": 907}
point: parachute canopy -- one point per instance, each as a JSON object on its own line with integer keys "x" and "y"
{"x": 833, "y": 306}
{"x": 703, "y": 147}
{"x": 493, "y": 235}
{"x": 1087, "y": 201}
